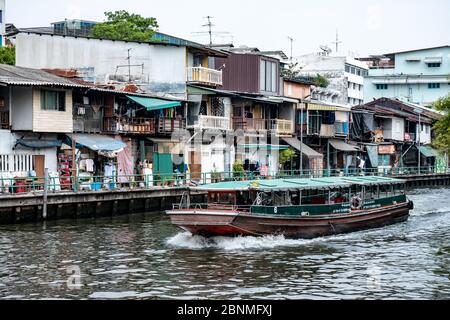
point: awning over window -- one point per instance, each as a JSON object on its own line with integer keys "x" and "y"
{"x": 39, "y": 144}
{"x": 433, "y": 60}
{"x": 372, "y": 151}
{"x": 153, "y": 103}
{"x": 97, "y": 142}
{"x": 343, "y": 146}
{"x": 322, "y": 107}
{"x": 428, "y": 152}
{"x": 306, "y": 150}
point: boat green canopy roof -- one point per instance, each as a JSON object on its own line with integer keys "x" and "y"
{"x": 153, "y": 103}
{"x": 297, "y": 184}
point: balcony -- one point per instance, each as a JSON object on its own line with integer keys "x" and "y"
{"x": 282, "y": 127}
{"x": 204, "y": 76}
{"x": 87, "y": 125}
{"x": 211, "y": 122}
{"x": 249, "y": 124}
{"x": 136, "y": 125}
{"x": 169, "y": 125}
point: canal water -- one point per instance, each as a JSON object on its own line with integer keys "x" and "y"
{"x": 144, "y": 257}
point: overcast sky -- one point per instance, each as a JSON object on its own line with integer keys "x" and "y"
{"x": 365, "y": 26}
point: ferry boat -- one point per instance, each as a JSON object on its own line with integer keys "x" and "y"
{"x": 294, "y": 208}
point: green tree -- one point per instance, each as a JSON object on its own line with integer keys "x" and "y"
{"x": 291, "y": 71}
{"x": 321, "y": 81}
{"x": 122, "y": 25}
{"x": 238, "y": 169}
{"x": 442, "y": 126}
{"x": 8, "y": 55}
{"x": 286, "y": 156}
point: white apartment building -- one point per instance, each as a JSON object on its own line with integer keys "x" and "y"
{"x": 346, "y": 76}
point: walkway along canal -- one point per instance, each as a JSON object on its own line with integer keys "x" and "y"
{"x": 138, "y": 197}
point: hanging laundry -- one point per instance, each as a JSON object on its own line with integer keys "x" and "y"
{"x": 89, "y": 165}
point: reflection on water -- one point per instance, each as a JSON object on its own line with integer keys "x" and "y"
{"x": 144, "y": 257}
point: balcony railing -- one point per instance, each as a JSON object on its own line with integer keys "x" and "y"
{"x": 282, "y": 127}
{"x": 135, "y": 125}
{"x": 205, "y": 76}
{"x": 168, "y": 125}
{"x": 87, "y": 125}
{"x": 249, "y": 124}
{"x": 212, "y": 122}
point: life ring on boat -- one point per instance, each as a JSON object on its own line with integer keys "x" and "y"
{"x": 356, "y": 203}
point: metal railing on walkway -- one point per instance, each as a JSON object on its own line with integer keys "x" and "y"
{"x": 25, "y": 185}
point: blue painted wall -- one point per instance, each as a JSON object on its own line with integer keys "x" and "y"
{"x": 417, "y": 73}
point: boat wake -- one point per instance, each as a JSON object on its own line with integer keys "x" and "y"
{"x": 421, "y": 213}
{"x": 185, "y": 240}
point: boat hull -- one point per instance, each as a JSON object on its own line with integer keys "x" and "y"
{"x": 216, "y": 223}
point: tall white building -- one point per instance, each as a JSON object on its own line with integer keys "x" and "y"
{"x": 2, "y": 23}
{"x": 345, "y": 74}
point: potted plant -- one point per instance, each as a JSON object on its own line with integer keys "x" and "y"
{"x": 238, "y": 169}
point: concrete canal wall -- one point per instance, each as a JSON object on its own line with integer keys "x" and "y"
{"x": 23, "y": 208}
{"x": 94, "y": 204}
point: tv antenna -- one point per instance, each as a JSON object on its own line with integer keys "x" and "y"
{"x": 337, "y": 42}
{"x": 210, "y": 31}
{"x": 292, "y": 45}
{"x": 129, "y": 65}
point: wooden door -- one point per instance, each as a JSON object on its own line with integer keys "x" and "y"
{"x": 195, "y": 167}
{"x": 39, "y": 166}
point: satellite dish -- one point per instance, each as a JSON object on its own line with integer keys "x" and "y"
{"x": 327, "y": 50}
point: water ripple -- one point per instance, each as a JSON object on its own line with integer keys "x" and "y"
{"x": 145, "y": 257}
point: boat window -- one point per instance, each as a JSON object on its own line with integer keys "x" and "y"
{"x": 355, "y": 191}
{"x": 370, "y": 193}
{"x": 339, "y": 196}
{"x": 244, "y": 198}
{"x": 265, "y": 199}
{"x": 282, "y": 198}
{"x": 295, "y": 198}
{"x": 315, "y": 197}
{"x": 399, "y": 189}
{"x": 386, "y": 191}
{"x": 221, "y": 198}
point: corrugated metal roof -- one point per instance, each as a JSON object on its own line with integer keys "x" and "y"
{"x": 305, "y": 149}
{"x": 19, "y": 76}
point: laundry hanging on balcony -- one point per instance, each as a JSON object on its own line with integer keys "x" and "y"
{"x": 154, "y": 104}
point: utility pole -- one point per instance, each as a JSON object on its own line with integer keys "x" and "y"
{"x": 129, "y": 65}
